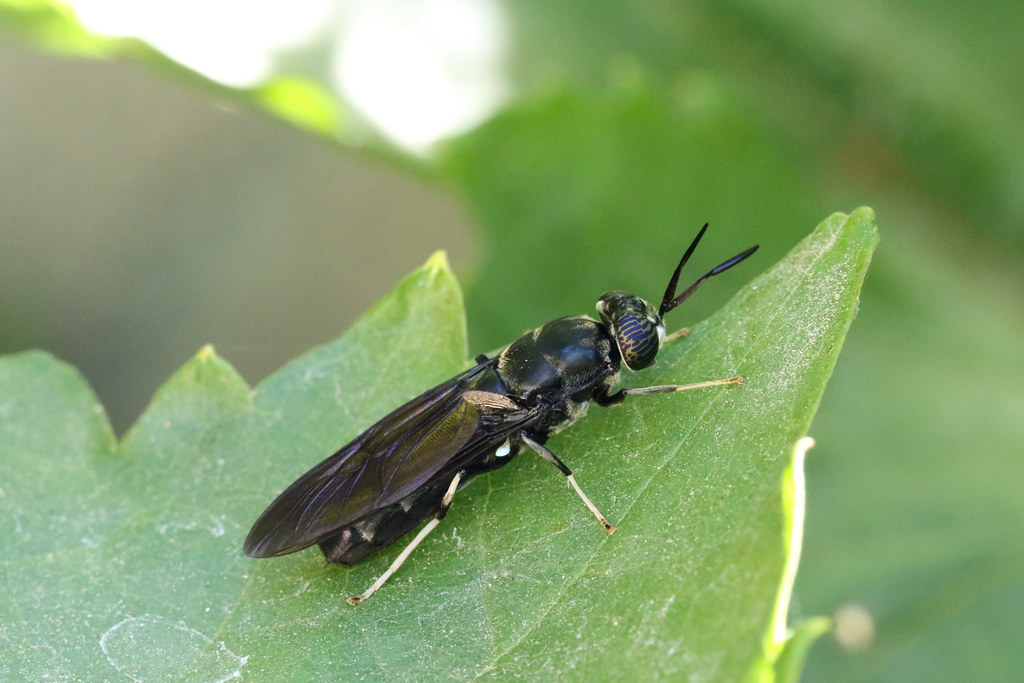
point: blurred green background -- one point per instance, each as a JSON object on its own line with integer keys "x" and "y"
{"x": 558, "y": 149}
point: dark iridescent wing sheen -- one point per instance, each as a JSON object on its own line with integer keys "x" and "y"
{"x": 429, "y": 437}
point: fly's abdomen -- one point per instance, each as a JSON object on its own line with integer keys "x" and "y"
{"x": 382, "y": 527}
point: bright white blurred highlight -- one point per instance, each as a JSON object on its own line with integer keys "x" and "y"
{"x": 229, "y": 41}
{"x": 423, "y": 70}
{"x": 417, "y": 70}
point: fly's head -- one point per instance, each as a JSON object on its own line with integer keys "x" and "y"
{"x": 636, "y": 326}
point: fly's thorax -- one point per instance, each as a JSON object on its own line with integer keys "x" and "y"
{"x": 567, "y": 355}
{"x": 635, "y": 325}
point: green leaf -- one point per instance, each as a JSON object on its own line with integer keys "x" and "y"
{"x": 127, "y": 558}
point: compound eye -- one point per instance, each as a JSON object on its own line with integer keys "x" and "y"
{"x": 637, "y": 339}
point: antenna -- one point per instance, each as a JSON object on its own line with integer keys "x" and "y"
{"x": 668, "y": 303}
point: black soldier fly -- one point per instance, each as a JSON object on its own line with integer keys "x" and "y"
{"x": 409, "y": 466}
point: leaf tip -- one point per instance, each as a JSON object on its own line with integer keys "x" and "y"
{"x": 437, "y": 263}
{"x": 864, "y": 213}
{"x": 862, "y": 221}
{"x": 206, "y": 354}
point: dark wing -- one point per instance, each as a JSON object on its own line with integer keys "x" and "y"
{"x": 432, "y": 436}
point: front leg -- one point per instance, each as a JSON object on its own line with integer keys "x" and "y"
{"x": 671, "y": 388}
{"x": 681, "y": 333}
{"x": 605, "y": 399}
